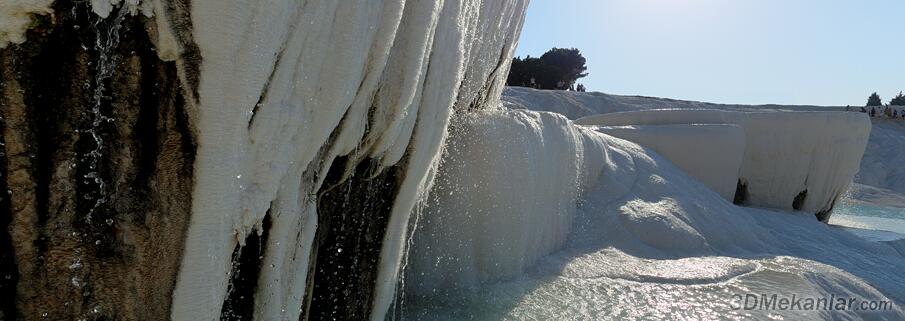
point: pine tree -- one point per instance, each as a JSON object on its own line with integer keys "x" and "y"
{"x": 556, "y": 69}
{"x": 569, "y": 63}
{"x": 899, "y": 100}
{"x": 874, "y": 100}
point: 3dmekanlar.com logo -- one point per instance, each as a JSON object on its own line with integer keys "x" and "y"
{"x": 794, "y": 302}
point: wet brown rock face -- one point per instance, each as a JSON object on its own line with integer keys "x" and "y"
{"x": 97, "y": 164}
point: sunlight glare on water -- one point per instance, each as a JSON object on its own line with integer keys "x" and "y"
{"x": 609, "y": 284}
{"x": 871, "y": 221}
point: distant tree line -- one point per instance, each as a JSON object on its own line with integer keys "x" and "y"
{"x": 898, "y": 100}
{"x": 895, "y": 109}
{"x": 557, "y": 69}
{"x": 874, "y": 100}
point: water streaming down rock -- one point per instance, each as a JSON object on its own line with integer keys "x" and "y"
{"x": 309, "y": 130}
{"x": 58, "y": 90}
{"x": 106, "y": 34}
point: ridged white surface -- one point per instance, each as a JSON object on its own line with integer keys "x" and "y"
{"x": 711, "y": 153}
{"x": 516, "y": 186}
{"x": 786, "y": 152}
{"x": 533, "y": 217}
{"x": 286, "y": 87}
{"x": 507, "y": 195}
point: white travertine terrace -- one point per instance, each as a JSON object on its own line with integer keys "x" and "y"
{"x": 786, "y": 153}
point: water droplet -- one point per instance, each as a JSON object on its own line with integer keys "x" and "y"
{"x": 109, "y": 221}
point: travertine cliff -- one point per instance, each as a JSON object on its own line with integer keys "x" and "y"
{"x": 210, "y": 159}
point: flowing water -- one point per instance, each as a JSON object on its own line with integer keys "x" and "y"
{"x": 608, "y": 284}
{"x": 105, "y": 43}
{"x": 871, "y": 221}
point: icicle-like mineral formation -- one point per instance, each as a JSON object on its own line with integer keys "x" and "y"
{"x": 263, "y": 159}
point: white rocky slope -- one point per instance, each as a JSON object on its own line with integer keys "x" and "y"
{"x": 882, "y": 174}
{"x": 518, "y": 186}
{"x": 802, "y": 160}
{"x": 879, "y": 178}
{"x": 575, "y": 105}
{"x": 715, "y": 163}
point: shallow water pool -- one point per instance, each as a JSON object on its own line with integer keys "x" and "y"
{"x": 871, "y": 221}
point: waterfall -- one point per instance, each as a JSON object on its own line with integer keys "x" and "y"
{"x": 265, "y": 157}
{"x": 107, "y": 38}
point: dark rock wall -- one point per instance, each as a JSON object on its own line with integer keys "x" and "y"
{"x": 98, "y": 183}
{"x": 351, "y": 228}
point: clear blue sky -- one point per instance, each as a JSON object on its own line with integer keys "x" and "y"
{"x": 820, "y": 52}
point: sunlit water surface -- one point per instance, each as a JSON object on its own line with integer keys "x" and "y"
{"x": 608, "y": 284}
{"x": 871, "y": 221}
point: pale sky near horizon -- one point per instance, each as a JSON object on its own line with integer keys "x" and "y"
{"x": 814, "y": 52}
